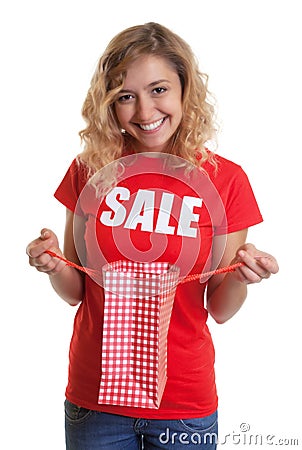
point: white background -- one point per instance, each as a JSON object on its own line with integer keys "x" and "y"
{"x": 252, "y": 52}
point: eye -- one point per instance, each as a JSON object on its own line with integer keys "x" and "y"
{"x": 159, "y": 90}
{"x": 125, "y": 98}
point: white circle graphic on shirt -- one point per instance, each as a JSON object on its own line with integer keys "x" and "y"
{"x": 153, "y": 208}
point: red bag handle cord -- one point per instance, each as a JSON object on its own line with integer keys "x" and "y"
{"x": 186, "y": 279}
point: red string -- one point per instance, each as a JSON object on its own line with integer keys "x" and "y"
{"x": 193, "y": 277}
{"x": 72, "y": 264}
{"x": 197, "y": 276}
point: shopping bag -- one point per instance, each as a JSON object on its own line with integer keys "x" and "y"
{"x": 137, "y": 310}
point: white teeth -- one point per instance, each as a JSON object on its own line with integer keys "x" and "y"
{"x": 151, "y": 126}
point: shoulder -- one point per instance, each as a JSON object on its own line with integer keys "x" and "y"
{"x": 224, "y": 171}
{"x": 228, "y": 177}
{"x": 72, "y": 183}
{"x": 236, "y": 193}
{"x": 77, "y": 173}
{"x": 79, "y": 168}
{"x": 224, "y": 165}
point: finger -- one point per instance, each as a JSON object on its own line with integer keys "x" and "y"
{"x": 48, "y": 264}
{"x": 38, "y": 247}
{"x": 248, "y": 275}
{"x": 269, "y": 263}
{"x": 30, "y": 246}
{"x": 41, "y": 260}
{"x": 33, "y": 247}
{"x": 46, "y": 233}
{"x": 51, "y": 268}
{"x": 252, "y": 269}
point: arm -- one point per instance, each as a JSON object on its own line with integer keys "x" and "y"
{"x": 227, "y": 293}
{"x": 67, "y": 281}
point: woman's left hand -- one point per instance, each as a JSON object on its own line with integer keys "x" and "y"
{"x": 257, "y": 266}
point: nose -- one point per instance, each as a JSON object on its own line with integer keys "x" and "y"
{"x": 144, "y": 108}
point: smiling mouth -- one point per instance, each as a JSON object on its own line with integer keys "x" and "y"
{"x": 151, "y": 126}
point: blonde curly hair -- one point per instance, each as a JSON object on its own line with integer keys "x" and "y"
{"x": 103, "y": 140}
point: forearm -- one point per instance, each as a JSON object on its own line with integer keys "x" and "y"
{"x": 69, "y": 285}
{"x": 227, "y": 298}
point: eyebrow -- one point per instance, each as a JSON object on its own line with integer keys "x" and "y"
{"x": 154, "y": 83}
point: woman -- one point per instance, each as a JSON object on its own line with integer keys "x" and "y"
{"x": 149, "y": 102}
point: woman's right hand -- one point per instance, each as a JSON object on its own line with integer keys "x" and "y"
{"x": 42, "y": 261}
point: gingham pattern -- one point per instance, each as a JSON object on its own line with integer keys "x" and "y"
{"x": 138, "y": 305}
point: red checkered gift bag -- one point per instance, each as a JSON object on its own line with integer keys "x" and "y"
{"x": 138, "y": 305}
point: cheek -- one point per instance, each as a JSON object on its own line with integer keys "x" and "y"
{"x": 122, "y": 114}
{"x": 177, "y": 111}
{"x": 174, "y": 106}
{"x": 118, "y": 115}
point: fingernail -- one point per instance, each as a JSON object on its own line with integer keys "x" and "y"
{"x": 241, "y": 253}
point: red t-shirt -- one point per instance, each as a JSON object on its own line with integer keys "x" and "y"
{"x": 165, "y": 218}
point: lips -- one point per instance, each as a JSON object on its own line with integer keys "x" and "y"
{"x": 151, "y": 126}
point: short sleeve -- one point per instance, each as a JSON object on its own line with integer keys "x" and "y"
{"x": 241, "y": 208}
{"x": 71, "y": 186}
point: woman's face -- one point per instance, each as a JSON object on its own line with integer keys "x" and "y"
{"x": 149, "y": 107}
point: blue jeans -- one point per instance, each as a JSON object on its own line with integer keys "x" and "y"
{"x": 91, "y": 430}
